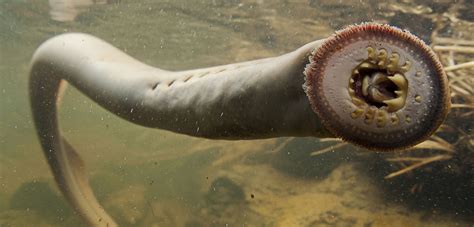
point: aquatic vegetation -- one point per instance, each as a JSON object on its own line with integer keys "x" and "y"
{"x": 296, "y": 157}
{"x": 204, "y": 33}
{"x": 438, "y": 173}
{"x": 391, "y": 78}
{"x": 452, "y": 145}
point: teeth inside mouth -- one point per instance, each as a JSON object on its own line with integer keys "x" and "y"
{"x": 378, "y": 87}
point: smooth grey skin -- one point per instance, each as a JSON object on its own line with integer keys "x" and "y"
{"x": 250, "y": 100}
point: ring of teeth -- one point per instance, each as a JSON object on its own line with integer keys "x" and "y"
{"x": 378, "y": 88}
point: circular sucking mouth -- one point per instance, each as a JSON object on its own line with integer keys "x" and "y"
{"x": 378, "y": 87}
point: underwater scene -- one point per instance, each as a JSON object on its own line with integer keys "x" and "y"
{"x": 153, "y": 177}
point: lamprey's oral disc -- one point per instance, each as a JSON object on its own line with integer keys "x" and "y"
{"x": 378, "y": 87}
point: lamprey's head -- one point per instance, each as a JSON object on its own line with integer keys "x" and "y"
{"x": 378, "y": 87}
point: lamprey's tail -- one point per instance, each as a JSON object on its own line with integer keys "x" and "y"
{"x": 249, "y": 100}
{"x": 373, "y": 85}
{"x": 46, "y": 86}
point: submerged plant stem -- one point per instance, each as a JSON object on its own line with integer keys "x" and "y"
{"x": 419, "y": 164}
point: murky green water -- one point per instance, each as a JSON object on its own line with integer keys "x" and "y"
{"x": 147, "y": 177}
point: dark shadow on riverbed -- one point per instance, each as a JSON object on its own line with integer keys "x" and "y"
{"x": 431, "y": 190}
{"x": 295, "y": 158}
{"x": 40, "y": 198}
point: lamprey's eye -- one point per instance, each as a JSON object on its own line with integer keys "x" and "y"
{"x": 377, "y": 86}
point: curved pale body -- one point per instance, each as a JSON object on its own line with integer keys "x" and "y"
{"x": 373, "y": 85}
{"x": 249, "y": 100}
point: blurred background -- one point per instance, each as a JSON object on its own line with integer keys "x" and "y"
{"x": 147, "y": 177}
